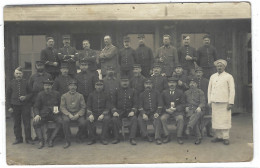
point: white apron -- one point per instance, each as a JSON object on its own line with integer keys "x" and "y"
{"x": 221, "y": 117}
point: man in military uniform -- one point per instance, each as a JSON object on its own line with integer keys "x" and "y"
{"x": 126, "y": 58}
{"x": 150, "y": 108}
{"x": 61, "y": 83}
{"x": 195, "y": 104}
{"x": 49, "y": 56}
{"x": 108, "y": 56}
{"x": 89, "y": 55}
{"x": 73, "y": 108}
{"x": 166, "y": 56}
{"x": 69, "y": 54}
{"x": 207, "y": 54}
{"x": 86, "y": 80}
{"x": 98, "y": 110}
{"x": 173, "y": 102}
{"x": 125, "y": 106}
{"x": 46, "y": 108}
{"x": 182, "y": 78}
{"x": 144, "y": 56}
{"x": 137, "y": 81}
{"x": 159, "y": 81}
{"x": 18, "y": 97}
{"x": 187, "y": 55}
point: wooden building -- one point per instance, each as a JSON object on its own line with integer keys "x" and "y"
{"x": 229, "y": 24}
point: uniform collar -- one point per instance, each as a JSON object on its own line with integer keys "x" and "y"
{"x": 168, "y": 46}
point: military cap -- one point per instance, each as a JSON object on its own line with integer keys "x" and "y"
{"x": 124, "y": 78}
{"x": 198, "y": 69}
{"x": 73, "y": 81}
{"x": 99, "y": 82}
{"x": 166, "y": 35}
{"x": 126, "y": 38}
{"x": 140, "y": 36}
{"x": 192, "y": 78}
{"x": 64, "y": 65}
{"x": 136, "y": 66}
{"x": 178, "y": 65}
{"x": 48, "y": 38}
{"x": 20, "y": 69}
{"x": 66, "y": 37}
{"x": 83, "y": 61}
{"x": 186, "y": 37}
{"x": 173, "y": 79}
{"x": 206, "y": 36}
{"x": 110, "y": 68}
{"x": 39, "y": 63}
{"x": 148, "y": 81}
{"x": 48, "y": 81}
{"x": 157, "y": 66}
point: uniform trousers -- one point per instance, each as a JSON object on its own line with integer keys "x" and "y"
{"x": 222, "y": 133}
{"x": 22, "y": 112}
{"x": 193, "y": 123}
{"x": 179, "y": 120}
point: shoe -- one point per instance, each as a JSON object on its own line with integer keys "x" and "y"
{"x": 29, "y": 142}
{"x": 115, "y": 141}
{"x": 17, "y": 142}
{"x": 198, "y": 141}
{"x": 187, "y": 131}
{"x": 91, "y": 142}
{"x": 104, "y": 142}
{"x": 132, "y": 142}
{"x": 50, "y": 143}
{"x": 41, "y": 145}
{"x": 216, "y": 140}
{"x": 179, "y": 140}
{"x": 167, "y": 139}
{"x": 67, "y": 144}
{"x": 158, "y": 142}
{"x": 226, "y": 142}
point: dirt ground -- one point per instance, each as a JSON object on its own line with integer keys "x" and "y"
{"x": 240, "y": 149}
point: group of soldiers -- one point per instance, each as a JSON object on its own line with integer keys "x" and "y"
{"x": 135, "y": 86}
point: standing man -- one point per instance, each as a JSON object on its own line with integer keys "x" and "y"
{"x": 187, "y": 55}
{"x": 46, "y": 109}
{"x": 173, "y": 102}
{"x": 89, "y": 55}
{"x": 73, "y": 108}
{"x": 125, "y": 106}
{"x": 167, "y": 56}
{"x": 207, "y": 54}
{"x": 18, "y": 97}
{"x": 150, "y": 107}
{"x": 69, "y": 54}
{"x": 144, "y": 56}
{"x": 126, "y": 58}
{"x": 108, "y": 56}
{"x": 182, "y": 78}
{"x": 221, "y": 95}
{"x": 137, "y": 81}
{"x": 49, "y": 56}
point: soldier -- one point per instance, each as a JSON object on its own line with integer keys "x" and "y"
{"x": 187, "y": 55}
{"x": 144, "y": 56}
{"x": 207, "y": 54}
{"x": 46, "y": 109}
{"x": 159, "y": 81}
{"x": 18, "y": 97}
{"x": 49, "y": 56}
{"x": 90, "y": 55}
{"x": 108, "y": 56}
{"x": 86, "y": 80}
{"x": 125, "y": 106}
{"x": 61, "y": 83}
{"x": 173, "y": 102}
{"x": 126, "y": 58}
{"x": 150, "y": 108}
{"x": 73, "y": 108}
{"x": 69, "y": 54}
{"x": 195, "y": 104}
{"x": 182, "y": 78}
{"x": 98, "y": 110}
{"x": 166, "y": 56}
{"x": 137, "y": 81}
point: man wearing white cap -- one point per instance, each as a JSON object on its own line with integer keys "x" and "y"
{"x": 221, "y": 95}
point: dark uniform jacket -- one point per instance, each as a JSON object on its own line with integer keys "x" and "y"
{"x": 61, "y": 84}
{"x": 91, "y": 56}
{"x": 184, "y": 79}
{"x": 45, "y": 102}
{"x": 48, "y": 56}
{"x": 206, "y": 56}
{"x": 126, "y": 58}
{"x": 15, "y": 89}
{"x": 177, "y": 97}
{"x": 160, "y": 83}
{"x": 137, "y": 83}
{"x": 183, "y": 52}
{"x": 150, "y": 102}
{"x": 125, "y": 101}
{"x": 111, "y": 84}
{"x": 64, "y": 53}
{"x": 203, "y": 84}
{"x": 98, "y": 103}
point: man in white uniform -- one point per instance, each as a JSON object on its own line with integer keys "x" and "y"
{"x": 221, "y": 95}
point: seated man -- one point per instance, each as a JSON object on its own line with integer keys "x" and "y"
{"x": 125, "y": 106}
{"x": 159, "y": 81}
{"x": 150, "y": 108}
{"x": 73, "y": 106}
{"x": 98, "y": 107}
{"x": 182, "y": 78}
{"x": 173, "y": 101}
{"x": 195, "y": 103}
{"x": 46, "y": 109}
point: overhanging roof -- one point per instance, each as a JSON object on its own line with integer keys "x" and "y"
{"x": 114, "y": 12}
